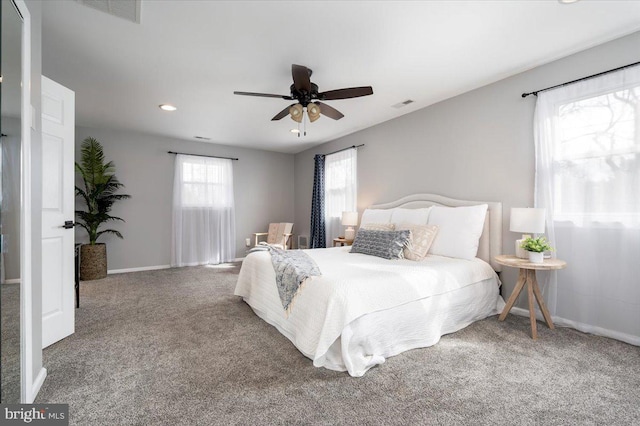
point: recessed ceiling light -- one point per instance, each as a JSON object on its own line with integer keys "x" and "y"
{"x": 167, "y": 107}
{"x": 294, "y": 131}
{"x": 567, "y": 1}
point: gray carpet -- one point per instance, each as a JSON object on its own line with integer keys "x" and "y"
{"x": 10, "y": 344}
{"x": 176, "y": 347}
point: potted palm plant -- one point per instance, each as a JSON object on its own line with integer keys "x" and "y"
{"x": 536, "y": 248}
{"x": 99, "y": 195}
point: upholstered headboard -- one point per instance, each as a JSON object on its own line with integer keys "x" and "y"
{"x": 491, "y": 238}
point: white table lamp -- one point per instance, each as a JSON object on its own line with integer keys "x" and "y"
{"x": 349, "y": 219}
{"x": 527, "y": 221}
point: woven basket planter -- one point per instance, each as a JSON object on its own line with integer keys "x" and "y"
{"x": 93, "y": 262}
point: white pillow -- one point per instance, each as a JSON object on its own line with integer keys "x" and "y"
{"x": 410, "y": 216}
{"x": 378, "y": 226}
{"x": 459, "y": 230}
{"x": 376, "y": 216}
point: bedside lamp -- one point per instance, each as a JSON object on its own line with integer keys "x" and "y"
{"x": 349, "y": 219}
{"x": 527, "y": 221}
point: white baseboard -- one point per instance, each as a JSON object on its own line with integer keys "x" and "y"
{"x": 37, "y": 384}
{"x": 525, "y": 313}
{"x": 585, "y": 328}
{"x": 152, "y": 268}
{"x": 142, "y": 268}
{"x": 12, "y": 281}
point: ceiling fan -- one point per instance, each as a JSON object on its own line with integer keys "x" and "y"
{"x": 307, "y": 95}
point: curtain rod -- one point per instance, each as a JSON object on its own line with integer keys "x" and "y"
{"x": 524, "y": 95}
{"x": 202, "y": 155}
{"x": 344, "y": 149}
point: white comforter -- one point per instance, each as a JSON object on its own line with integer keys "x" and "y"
{"x": 353, "y": 286}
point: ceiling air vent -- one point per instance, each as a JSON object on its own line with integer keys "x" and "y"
{"x": 126, "y": 9}
{"x": 403, "y": 103}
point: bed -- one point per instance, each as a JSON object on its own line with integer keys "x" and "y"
{"x": 364, "y": 309}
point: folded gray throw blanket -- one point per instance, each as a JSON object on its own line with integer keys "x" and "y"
{"x": 292, "y": 268}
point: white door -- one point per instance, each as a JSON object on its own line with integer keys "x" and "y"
{"x": 58, "y": 284}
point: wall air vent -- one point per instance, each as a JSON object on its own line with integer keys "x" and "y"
{"x": 126, "y": 9}
{"x": 403, "y": 103}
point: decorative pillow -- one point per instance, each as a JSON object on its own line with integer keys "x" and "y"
{"x": 375, "y": 216}
{"x": 422, "y": 237}
{"x": 459, "y": 230}
{"x": 385, "y": 244}
{"x": 410, "y": 216}
{"x": 379, "y": 226}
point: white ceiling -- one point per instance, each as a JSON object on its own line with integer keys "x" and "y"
{"x": 194, "y": 54}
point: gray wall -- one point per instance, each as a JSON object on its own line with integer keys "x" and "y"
{"x": 263, "y": 187}
{"x": 476, "y": 146}
{"x": 11, "y": 196}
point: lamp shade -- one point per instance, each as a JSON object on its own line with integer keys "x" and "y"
{"x": 313, "y": 110}
{"x": 296, "y": 112}
{"x": 350, "y": 218}
{"x": 527, "y": 220}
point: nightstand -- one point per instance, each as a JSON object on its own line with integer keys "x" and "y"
{"x": 342, "y": 241}
{"x": 527, "y": 276}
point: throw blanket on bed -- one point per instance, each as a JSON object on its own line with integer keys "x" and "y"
{"x": 292, "y": 268}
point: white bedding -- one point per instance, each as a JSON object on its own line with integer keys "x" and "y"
{"x": 363, "y": 309}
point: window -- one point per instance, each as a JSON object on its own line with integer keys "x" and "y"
{"x": 596, "y": 158}
{"x": 587, "y": 137}
{"x": 203, "y": 211}
{"x": 340, "y": 190}
{"x": 204, "y": 184}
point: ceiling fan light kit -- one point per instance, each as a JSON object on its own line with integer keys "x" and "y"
{"x": 313, "y": 111}
{"x": 296, "y": 112}
{"x": 307, "y": 95}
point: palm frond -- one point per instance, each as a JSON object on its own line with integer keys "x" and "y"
{"x": 100, "y": 189}
{"x": 109, "y": 231}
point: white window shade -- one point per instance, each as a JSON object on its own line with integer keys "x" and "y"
{"x": 595, "y": 157}
{"x": 587, "y": 139}
{"x": 341, "y": 190}
{"x": 203, "y": 211}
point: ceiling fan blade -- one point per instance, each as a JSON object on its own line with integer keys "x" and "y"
{"x": 330, "y": 112}
{"x": 264, "y": 95}
{"x": 352, "y": 92}
{"x": 301, "y": 77}
{"x": 282, "y": 113}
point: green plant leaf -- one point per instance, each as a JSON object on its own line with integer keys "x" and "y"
{"x": 537, "y": 245}
{"x": 100, "y": 190}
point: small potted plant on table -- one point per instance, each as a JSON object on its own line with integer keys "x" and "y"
{"x": 536, "y": 248}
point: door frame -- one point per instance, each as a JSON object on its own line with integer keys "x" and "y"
{"x": 28, "y": 387}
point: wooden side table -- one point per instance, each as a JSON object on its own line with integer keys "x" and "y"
{"x": 527, "y": 275}
{"x": 342, "y": 241}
